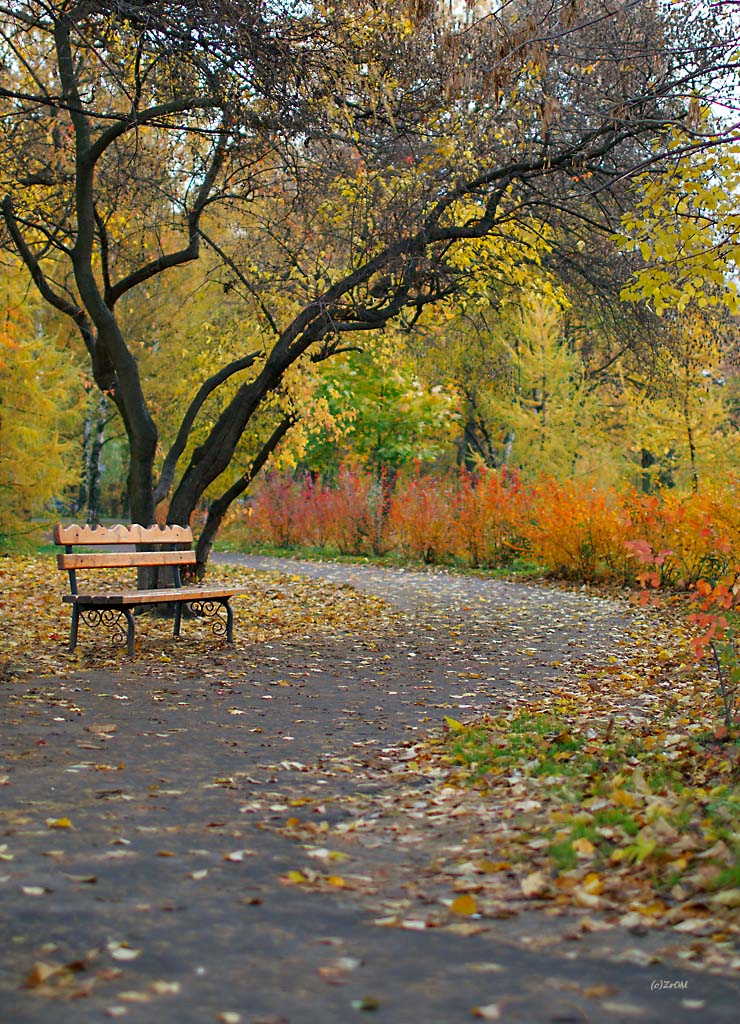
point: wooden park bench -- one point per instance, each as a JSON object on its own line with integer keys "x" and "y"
{"x": 146, "y": 546}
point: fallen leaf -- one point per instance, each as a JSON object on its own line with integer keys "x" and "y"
{"x": 367, "y": 1003}
{"x": 465, "y": 905}
{"x": 583, "y": 847}
{"x": 593, "y": 883}
{"x": 134, "y": 996}
{"x": 491, "y": 867}
{"x": 237, "y": 856}
{"x": 165, "y": 988}
{"x": 586, "y": 899}
{"x": 535, "y": 884}
{"x": 728, "y": 898}
{"x": 39, "y": 973}
{"x": 489, "y": 1012}
{"x": 600, "y": 991}
{"x": 120, "y": 951}
{"x": 103, "y": 730}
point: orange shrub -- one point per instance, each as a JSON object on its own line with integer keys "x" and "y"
{"x": 344, "y": 514}
{"x": 579, "y": 531}
{"x": 485, "y": 518}
{"x": 287, "y": 512}
{"x": 689, "y": 531}
{"x": 274, "y": 511}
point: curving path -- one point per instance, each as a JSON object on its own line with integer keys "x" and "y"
{"x": 144, "y": 847}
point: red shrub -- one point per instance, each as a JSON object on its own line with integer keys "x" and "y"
{"x": 422, "y": 518}
{"x": 491, "y": 510}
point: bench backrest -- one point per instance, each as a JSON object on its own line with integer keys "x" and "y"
{"x": 144, "y": 542}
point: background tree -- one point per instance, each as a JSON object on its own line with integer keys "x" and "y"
{"x": 39, "y": 410}
{"x": 676, "y": 414}
{"x": 380, "y": 416}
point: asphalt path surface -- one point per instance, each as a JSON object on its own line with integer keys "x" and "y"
{"x": 143, "y": 859}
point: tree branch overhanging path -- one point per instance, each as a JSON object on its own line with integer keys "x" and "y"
{"x": 344, "y": 172}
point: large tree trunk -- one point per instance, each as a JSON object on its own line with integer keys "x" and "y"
{"x": 210, "y": 460}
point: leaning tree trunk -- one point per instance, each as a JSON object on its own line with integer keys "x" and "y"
{"x": 220, "y": 506}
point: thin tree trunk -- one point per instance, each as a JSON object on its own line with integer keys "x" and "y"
{"x": 95, "y": 468}
{"x": 84, "y": 491}
{"x": 220, "y": 506}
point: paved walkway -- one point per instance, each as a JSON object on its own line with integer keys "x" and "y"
{"x": 144, "y": 852}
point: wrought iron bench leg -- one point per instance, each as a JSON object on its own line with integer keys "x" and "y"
{"x": 229, "y": 622}
{"x": 178, "y": 618}
{"x": 130, "y": 631}
{"x": 73, "y": 627}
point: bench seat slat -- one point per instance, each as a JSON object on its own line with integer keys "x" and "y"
{"x": 133, "y": 597}
{"x": 130, "y": 559}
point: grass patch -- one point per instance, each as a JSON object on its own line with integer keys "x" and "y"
{"x": 518, "y": 567}
{"x": 637, "y": 804}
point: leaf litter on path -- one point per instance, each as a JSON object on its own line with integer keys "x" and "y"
{"x": 442, "y": 840}
{"x": 617, "y": 801}
{"x": 278, "y": 606}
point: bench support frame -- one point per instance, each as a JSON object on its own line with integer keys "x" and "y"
{"x": 115, "y": 610}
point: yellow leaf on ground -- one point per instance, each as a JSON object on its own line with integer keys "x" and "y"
{"x": 39, "y": 974}
{"x": 464, "y": 904}
{"x": 491, "y": 867}
{"x": 535, "y": 884}
{"x": 622, "y": 798}
{"x": 593, "y": 883}
{"x": 583, "y": 847}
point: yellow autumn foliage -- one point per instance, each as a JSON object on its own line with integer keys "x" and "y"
{"x": 38, "y": 416}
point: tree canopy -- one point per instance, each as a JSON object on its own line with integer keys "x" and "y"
{"x": 346, "y": 165}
